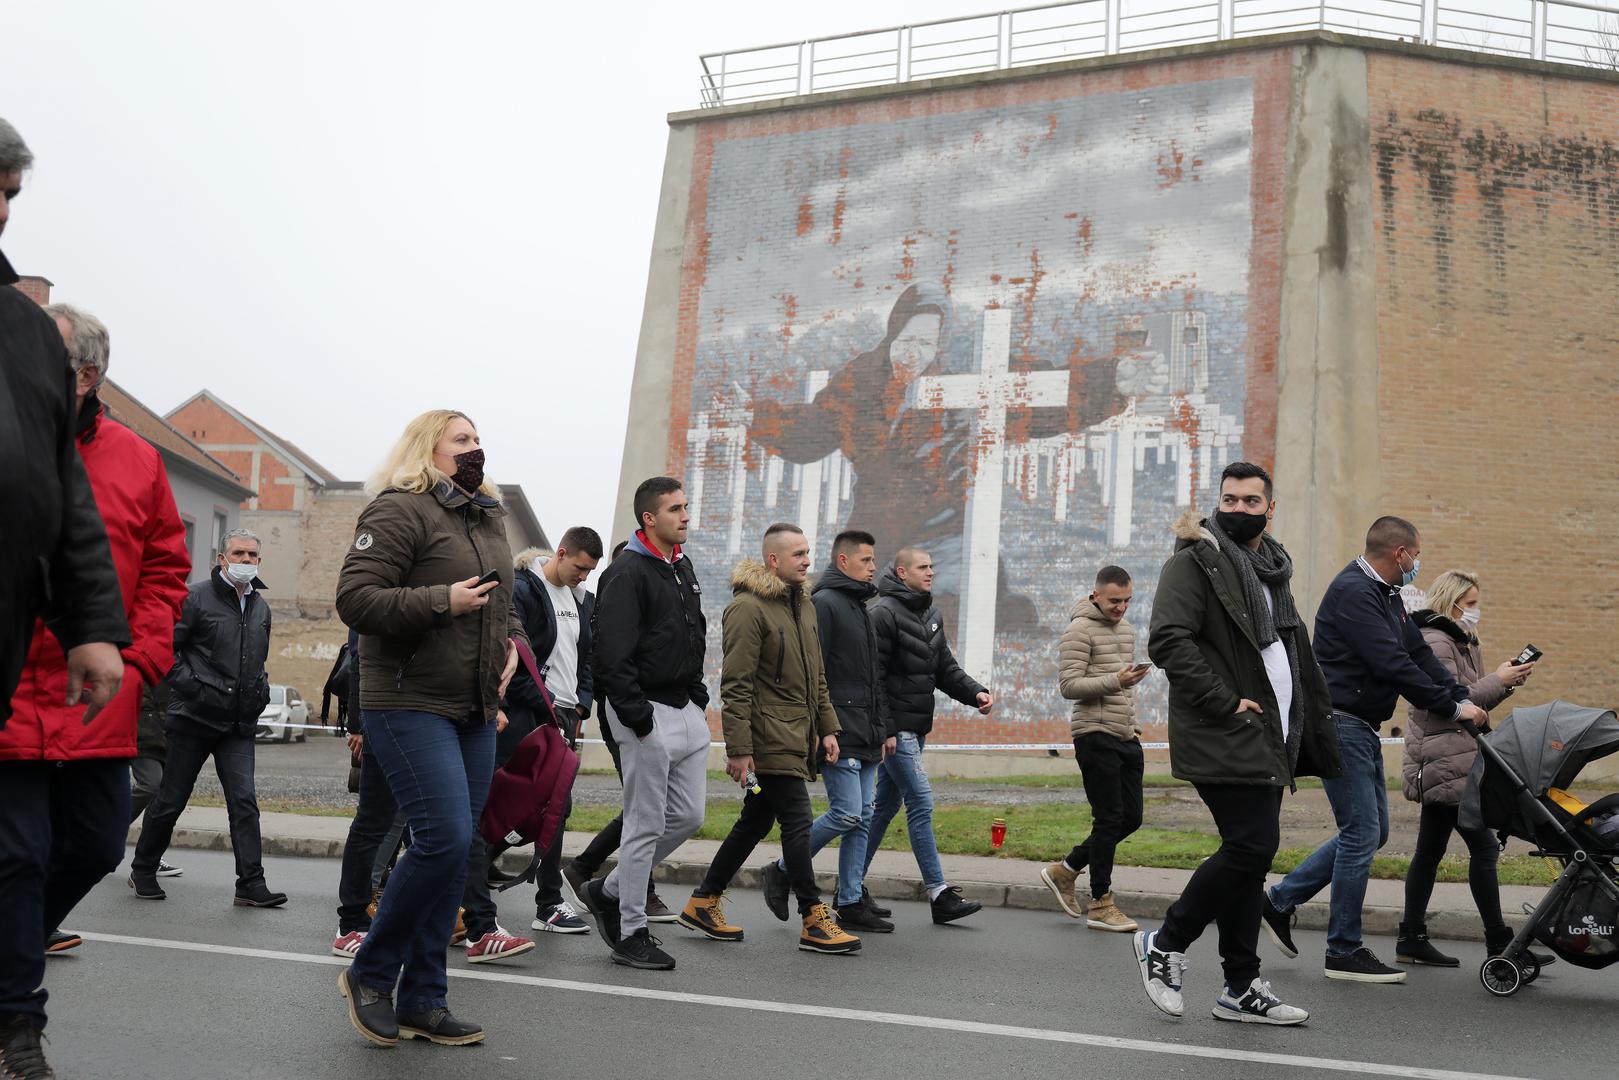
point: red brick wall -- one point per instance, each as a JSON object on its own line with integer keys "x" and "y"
{"x": 1497, "y": 223}
{"x": 35, "y": 288}
{"x": 213, "y": 428}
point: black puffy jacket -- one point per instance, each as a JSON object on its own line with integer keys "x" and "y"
{"x": 913, "y": 656}
{"x": 220, "y": 645}
{"x": 849, "y": 647}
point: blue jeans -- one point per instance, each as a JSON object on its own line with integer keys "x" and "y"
{"x": 902, "y": 778}
{"x": 1360, "y": 806}
{"x": 850, "y": 792}
{"x": 439, "y": 774}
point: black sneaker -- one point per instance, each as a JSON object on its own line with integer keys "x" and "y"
{"x": 1279, "y": 925}
{"x": 438, "y": 1026}
{"x": 496, "y": 877}
{"x": 858, "y": 917}
{"x": 146, "y": 886}
{"x": 58, "y": 942}
{"x": 773, "y": 879}
{"x": 1495, "y": 943}
{"x": 874, "y": 907}
{"x": 949, "y": 906}
{"x": 577, "y": 879}
{"x": 1362, "y": 965}
{"x": 258, "y": 895}
{"x": 370, "y": 1011}
{"x": 604, "y": 908}
{"x": 640, "y": 950}
{"x": 1415, "y": 948}
{"x": 657, "y": 910}
{"x": 22, "y": 1057}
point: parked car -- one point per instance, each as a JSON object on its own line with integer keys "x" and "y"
{"x": 280, "y": 719}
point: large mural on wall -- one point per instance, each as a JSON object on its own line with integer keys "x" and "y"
{"x": 1019, "y": 336}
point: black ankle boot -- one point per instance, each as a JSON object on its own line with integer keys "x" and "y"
{"x": 1415, "y": 948}
{"x": 1496, "y": 942}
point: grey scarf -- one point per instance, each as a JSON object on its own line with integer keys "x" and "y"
{"x": 1268, "y": 567}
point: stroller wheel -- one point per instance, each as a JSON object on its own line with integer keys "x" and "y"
{"x": 1500, "y": 976}
{"x": 1531, "y": 970}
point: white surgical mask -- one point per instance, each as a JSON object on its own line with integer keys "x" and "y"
{"x": 1470, "y": 616}
{"x": 241, "y": 573}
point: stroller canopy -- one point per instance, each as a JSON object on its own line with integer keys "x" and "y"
{"x": 1547, "y": 746}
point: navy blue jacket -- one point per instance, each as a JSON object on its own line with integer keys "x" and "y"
{"x": 1372, "y": 652}
{"x": 539, "y": 619}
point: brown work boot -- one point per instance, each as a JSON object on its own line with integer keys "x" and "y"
{"x": 705, "y": 915}
{"x": 1104, "y": 914}
{"x": 459, "y": 934}
{"x": 822, "y": 933}
{"x": 371, "y": 908}
{"x": 1061, "y": 880}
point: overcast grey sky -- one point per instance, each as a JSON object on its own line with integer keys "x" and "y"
{"x": 335, "y": 215}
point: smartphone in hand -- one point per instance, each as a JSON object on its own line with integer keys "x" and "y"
{"x": 490, "y": 576}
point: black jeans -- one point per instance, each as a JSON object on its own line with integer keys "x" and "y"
{"x": 548, "y": 882}
{"x": 62, "y": 829}
{"x": 784, "y": 799}
{"x": 145, "y": 777}
{"x": 1227, "y": 889}
{"x": 1112, "y": 770}
{"x": 601, "y": 847}
{"x": 373, "y": 819}
{"x": 1433, "y": 836}
{"x": 189, "y": 750}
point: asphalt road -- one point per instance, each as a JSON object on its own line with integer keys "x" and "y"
{"x": 200, "y": 989}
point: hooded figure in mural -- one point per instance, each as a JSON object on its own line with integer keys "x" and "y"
{"x": 913, "y": 466}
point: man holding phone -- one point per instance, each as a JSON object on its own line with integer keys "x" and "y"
{"x": 1098, "y": 673}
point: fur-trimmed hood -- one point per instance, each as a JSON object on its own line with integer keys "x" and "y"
{"x": 1458, "y": 633}
{"x": 1190, "y": 528}
{"x": 754, "y": 577}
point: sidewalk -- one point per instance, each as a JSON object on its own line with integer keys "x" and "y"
{"x": 1145, "y": 892}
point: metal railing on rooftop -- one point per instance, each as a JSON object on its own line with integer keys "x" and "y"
{"x": 1566, "y": 31}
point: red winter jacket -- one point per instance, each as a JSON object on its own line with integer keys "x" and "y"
{"x": 149, "y": 552}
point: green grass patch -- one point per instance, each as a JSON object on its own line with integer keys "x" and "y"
{"x": 1151, "y": 780}
{"x": 279, "y": 806}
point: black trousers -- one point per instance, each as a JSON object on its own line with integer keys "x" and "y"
{"x": 602, "y": 846}
{"x": 62, "y": 829}
{"x": 373, "y": 820}
{"x": 1112, "y": 769}
{"x": 189, "y": 750}
{"x": 1228, "y": 888}
{"x": 1483, "y": 852}
{"x": 784, "y": 799}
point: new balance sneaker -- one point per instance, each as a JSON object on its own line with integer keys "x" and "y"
{"x": 605, "y": 909}
{"x": 59, "y": 942}
{"x": 1279, "y": 925}
{"x": 348, "y": 944}
{"x": 370, "y": 1011}
{"x": 1162, "y": 972}
{"x": 1362, "y": 965}
{"x": 560, "y": 919}
{"x": 641, "y": 950}
{"x": 22, "y": 1055}
{"x": 497, "y": 944}
{"x": 873, "y": 906}
{"x": 860, "y": 917}
{"x": 168, "y": 869}
{"x": 773, "y": 879}
{"x": 577, "y": 879}
{"x": 949, "y": 906}
{"x": 657, "y": 910}
{"x": 1257, "y": 1005}
{"x": 1061, "y": 880}
{"x": 706, "y": 915}
{"x": 438, "y": 1026}
{"x": 1104, "y": 914}
{"x": 822, "y": 933}
{"x": 146, "y": 886}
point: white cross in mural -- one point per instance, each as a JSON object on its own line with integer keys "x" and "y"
{"x": 990, "y": 392}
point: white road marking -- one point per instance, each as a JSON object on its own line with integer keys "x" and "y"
{"x": 937, "y": 1023}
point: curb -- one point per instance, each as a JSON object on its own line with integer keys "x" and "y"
{"x": 1375, "y": 920}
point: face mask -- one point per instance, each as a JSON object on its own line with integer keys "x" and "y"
{"x": 241, "y": 573}
{"x": 1470, "y": 616}
{"x": 1241, "y": 527}
{"x": 469, "y": 470}
{"x": 1408, "y": 576}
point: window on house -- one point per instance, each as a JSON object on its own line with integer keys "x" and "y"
{"x": 221, "y": 526}
{"x": 191, "y": 537}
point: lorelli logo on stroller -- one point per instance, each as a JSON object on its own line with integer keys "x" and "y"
{"x": 1519, "y": 787}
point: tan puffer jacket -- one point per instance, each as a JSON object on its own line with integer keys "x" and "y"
{"x": 1438, "y": 753}
{"x": 1094, "y": 653}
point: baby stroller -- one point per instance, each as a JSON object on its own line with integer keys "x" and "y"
{"x": 1518, "y": 787}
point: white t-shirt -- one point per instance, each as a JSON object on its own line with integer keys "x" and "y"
{"x": 561, "y": 668}
{"x": 1277, "y": 669}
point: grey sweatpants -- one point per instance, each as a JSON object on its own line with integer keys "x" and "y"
{"x": 665, "y": 790}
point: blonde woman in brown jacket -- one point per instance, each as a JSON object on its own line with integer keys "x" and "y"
{"x": 1438, "y": 756}
{"x": 1098, "y": 673}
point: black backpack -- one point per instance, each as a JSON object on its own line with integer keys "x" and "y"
{"x": 339, "y": 685}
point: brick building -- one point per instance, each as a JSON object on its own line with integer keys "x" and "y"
{"x": 1387, "y": 270}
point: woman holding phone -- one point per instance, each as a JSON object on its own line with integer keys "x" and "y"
{"x": 436, "y": 652}
{"x": 1439, "y": 754}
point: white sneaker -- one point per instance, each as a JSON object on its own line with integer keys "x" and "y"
{"x": 1257, "y": 1005}
{"x": 1161, "y": 972}
{"x": 168, "y": 869}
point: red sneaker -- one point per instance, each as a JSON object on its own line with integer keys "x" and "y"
{"x": 347, "y": 945}
{"x": 496, "y": 945}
